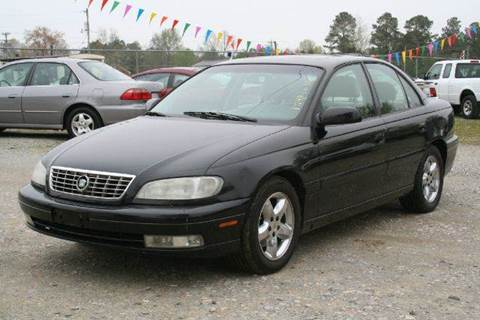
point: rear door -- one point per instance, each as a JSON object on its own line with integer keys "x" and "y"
{"x": 405, "y": 136}
{"x": 52, "y": 89}
{"x": 352, "y": 162}
{"x": 12, "y": 84}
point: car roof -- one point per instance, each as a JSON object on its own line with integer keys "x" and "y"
{"x": 475, "y": 61}
{"x": 316, "y": 60}
{"x": 53, "y": 59}
{"x": 189, "y": 71}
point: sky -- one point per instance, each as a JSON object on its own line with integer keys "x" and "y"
{"x": 287, "y": 22}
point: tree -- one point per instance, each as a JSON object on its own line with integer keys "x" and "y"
{"x": 309, "y": 46}
{"x": 342, "y": 35}
{"x": 386, "y": 36}
{"x": 362, "y": 36}
{"x": 168, "y": 40}
{"x": 45, "y": 39}
{"x": 453, "y": 27}
{"x": 418, "y": 31}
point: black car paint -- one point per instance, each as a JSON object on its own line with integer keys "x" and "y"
{"x": 340, "y": 172}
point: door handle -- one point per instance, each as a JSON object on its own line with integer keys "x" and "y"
{"x": 12, "y": 96}
{"x": 66, "y": 96}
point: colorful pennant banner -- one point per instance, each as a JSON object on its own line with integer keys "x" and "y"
{"x": 433, "y": 48}
{"x": 229, "y": 41}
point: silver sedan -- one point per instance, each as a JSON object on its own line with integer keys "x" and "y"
{"x": 72, "y": 94}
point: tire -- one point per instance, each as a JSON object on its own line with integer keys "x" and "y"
{"x": 82, "y": 120}
{"x": 419, "y": 201}
{"x": 2, "y": 129}
{"x": 253, "y": 257}
{"x": 470, "y": 108}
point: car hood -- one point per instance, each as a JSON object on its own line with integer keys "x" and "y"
{"x": 159, "y": 147}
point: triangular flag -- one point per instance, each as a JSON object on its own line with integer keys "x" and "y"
{"x": 268, "y": 50}
{"x": 239, "y": 42}
{"x": 208, "y": 35}
{"x": 259, "y": 48}
{"x": 114, "y": 6}
{"x": 449, "y": 41}
{"x": 219, "y": 37}
{"x": 104, "y": 2}
{"x": 389, "y": 57}
{"x": 139, "y": 14}
{"x": 404, "y": 57}
{"x": 174, "y": 24}
{"x": 152, "y": 16}
{"x": 187, "y": 25}
{"x": 442, "y": 44}
{"x": 127, "y": 10}
{"x": 423, "y": 48}
{"x": 229, "y": 40}
{"x": 90, "y": 3}
{"x": 249, "y": 43}
{"x": 197, "y": 30}
{"x": 473, "y": 27}
{"x": 435, "y": 46}
{"x": 410, "y": 54}
{"x": 397, "y": 57}
{"x": 164, "y": 18}
{"x": 417, "y": 51}
{"x": 468, "y": 31}
{"x": 430, "y": 49}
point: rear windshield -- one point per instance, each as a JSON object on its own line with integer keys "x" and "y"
{"x": 467, "y": 70}
{"x": 102, "y": 71}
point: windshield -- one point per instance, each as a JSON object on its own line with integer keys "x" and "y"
{"x": 102, "y": 71}
{"x": 266, "y": 92}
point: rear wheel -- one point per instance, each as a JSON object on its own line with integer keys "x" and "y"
{"x": 428, "y": 184}
{"x": 470, "y": 109}
{"x": 82, "y": 120}
{"x": 272, "y": 228}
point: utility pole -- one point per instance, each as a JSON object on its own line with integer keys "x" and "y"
{"x": 87, "y": 29}
{"x": 6, "y": 34}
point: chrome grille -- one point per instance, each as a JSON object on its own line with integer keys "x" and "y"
{"x": 100, "y": 185}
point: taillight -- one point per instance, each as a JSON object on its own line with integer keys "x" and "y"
{"x": 433, "y": 92}
{"x": 136, "y": 95}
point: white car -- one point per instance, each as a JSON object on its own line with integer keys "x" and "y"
{"x": 458, "y": 82}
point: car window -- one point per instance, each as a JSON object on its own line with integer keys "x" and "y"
{"x": 156, "y": 77}
{"x": 447, "y": 71}
{"x": 413, "y": 98}
{"x": 73, "y": 79}
{"x": 102, "y": 71}
{"x": 434, "y": 72}
{"x": 388, "y": 87}
{"x": 51, "y": 74}
{"x": 348, "y": 87}
{"x": 467, "y": 70}
{"x": 15, "y": 75}
{"x": 179, "y": 79}
{"x": 264, "y": 92}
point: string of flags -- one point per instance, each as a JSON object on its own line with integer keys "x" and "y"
{"x": 200, "y": 33}
{"x": 431, "y": 49}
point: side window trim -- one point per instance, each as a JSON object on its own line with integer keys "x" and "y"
{"x": 413, "y": 88}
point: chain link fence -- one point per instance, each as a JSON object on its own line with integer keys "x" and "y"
{"x": 129, "y": 61}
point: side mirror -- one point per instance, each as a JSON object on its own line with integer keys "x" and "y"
{"x": 336, "y": 116}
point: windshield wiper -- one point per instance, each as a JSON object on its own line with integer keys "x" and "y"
{"x": 155, "y": 114}
{"x": 218, "y": 116}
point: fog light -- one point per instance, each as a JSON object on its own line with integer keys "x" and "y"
{"x": 191, "y": 241}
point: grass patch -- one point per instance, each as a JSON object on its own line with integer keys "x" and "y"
{"x": 468, "y": 131}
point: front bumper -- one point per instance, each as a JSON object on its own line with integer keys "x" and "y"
{"x": 125, "y": 226}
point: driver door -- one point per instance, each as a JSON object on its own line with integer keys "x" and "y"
{"x": 12, "y": 85}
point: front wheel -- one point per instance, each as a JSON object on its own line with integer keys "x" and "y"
{"x": 428, "y": 184}
{"x": 470, "y": 109}
{"x": 82, "y": 120}
{"x": 272, "y": 228}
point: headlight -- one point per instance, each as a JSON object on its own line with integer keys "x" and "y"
{"x": 39, "y": 175}
{"x": 181, "y": 188}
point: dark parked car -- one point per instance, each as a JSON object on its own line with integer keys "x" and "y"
{"x": 170, "y": 78}
{"x": 245, "y": 157}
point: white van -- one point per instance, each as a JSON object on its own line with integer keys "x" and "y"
{"x": 458, "y": 82}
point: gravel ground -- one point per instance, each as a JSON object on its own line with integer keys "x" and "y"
{"x": 383, "y": 264}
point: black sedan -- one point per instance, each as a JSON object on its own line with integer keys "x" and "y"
{"x": 246, "y": 156}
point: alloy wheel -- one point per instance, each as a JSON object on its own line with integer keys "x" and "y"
{"x": 467, "y": 107}
{"x": 431, "y": 179}
{"x": 82, "y": 123}
{"x": 276, "y": 226}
